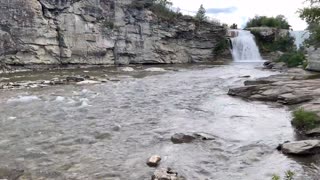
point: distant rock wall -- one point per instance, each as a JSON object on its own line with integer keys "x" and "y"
{"x": 313, "y": 59}
{"x": 98, "y": 32}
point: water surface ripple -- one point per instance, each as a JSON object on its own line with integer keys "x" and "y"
{"x": 107, "y": 131}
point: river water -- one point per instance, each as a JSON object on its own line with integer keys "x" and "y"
{"x": 107, "y": 131}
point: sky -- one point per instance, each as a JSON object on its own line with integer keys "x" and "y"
{"x": 239, "y": 11}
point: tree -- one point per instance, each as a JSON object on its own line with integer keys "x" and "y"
{"x": 234, "y": 26}
{"x": 311, "y": 15}
{"x": 201, "y": 14}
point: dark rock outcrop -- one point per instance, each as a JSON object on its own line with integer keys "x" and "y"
{"x": 105, "y": 32}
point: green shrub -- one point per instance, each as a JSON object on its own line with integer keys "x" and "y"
{"x": 220, "y": 47}
{"x": 293, "y": 58}
{"x": 264, "y": 21}
{"x": 305, "y": 120}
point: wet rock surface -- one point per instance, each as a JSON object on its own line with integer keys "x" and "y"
{"x": 166, "y": 174}
{"x": 293, "y": 87}
{"x": 306, "y": 147}
{"x": 154, "y": 161}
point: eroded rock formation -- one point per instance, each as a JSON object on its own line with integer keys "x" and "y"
{"x": 55, "y": 32}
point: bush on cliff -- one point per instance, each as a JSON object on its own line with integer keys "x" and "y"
{"x": 293, "y": 58}
{"x": 284, "y": 44}
{"x": 221, "y": 47}
{"x": 264, "y": 21}
{"x": 305, "y": 120}
{"x": 160, "y": 7}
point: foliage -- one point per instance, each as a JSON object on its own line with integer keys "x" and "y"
{"x": 284, "y": 44}
{"x": 305, "y": 120}
{"x": 293, "y": 58}
{"x": 201, "y": 14}
{"x": 263, "y": 21}
{"x": 234, "y": 26}
{"x": 289, "y": 175}
{"x": 275, "y": 177}
{"x": 312, "y": 16}
{"x": 220, "y": 47}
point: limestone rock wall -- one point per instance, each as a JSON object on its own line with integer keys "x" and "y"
{"x": 313, "y": 59}
{"x": 57, "y": 32}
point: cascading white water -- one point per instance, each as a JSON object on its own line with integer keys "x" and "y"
{"x": 244, "y": 48}
{"x": 300, "y": 37}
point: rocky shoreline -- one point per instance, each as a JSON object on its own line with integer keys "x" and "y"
{"x": 294, "y": 87}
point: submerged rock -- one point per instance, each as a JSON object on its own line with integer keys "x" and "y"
{"x": 307, "y": 147}
{"x": 10, "y": 174}
{"x": 166, "y": 174}
{"x": 180, "y": 138}
{"x": 154, "y": 161}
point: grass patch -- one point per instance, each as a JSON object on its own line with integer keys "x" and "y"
{"x": 305, "y": 120}
{"x": 293, "y": 58}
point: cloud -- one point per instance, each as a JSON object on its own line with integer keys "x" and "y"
{"x": 221, "y": 10}
{"x": 239, "y": 11}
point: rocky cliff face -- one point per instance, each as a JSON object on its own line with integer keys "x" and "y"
{"x": 57, "y": 32}
{"x": 313, "y": 59}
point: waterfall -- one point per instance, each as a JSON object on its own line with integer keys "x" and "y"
{"x": 300, "y": 37}
{"x": 244, "y": 47}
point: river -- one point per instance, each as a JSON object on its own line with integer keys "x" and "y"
{"x": 107, "y": 131}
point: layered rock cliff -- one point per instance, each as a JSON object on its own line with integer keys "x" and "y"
{"x": 107, "y": 32}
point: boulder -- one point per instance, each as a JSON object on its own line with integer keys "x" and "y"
{"x": 306, "y": 147}
{"x": 166, "y": 174}
{"x": 154, "y": 161}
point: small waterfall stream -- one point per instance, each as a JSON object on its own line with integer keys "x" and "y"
{"x": 300, "y": 37}
{"x": 244, "y": 48}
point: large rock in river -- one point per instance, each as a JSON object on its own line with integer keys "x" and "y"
{"x": 307, "y": 147}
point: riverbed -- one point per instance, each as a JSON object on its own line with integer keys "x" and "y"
{"x": 107, "y": 131}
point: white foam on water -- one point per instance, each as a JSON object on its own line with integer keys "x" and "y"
{"x": 23, "y": 99}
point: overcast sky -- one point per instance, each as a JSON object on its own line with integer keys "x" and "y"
{"x": 239, "y": 11}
